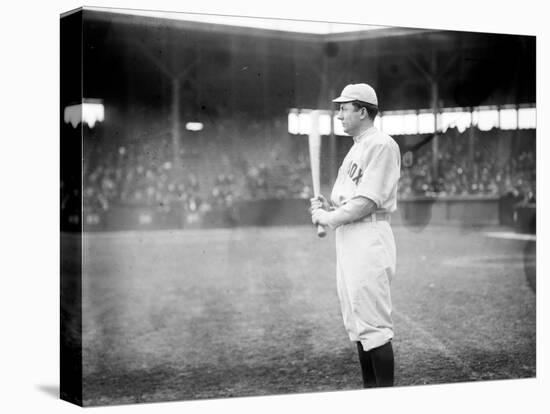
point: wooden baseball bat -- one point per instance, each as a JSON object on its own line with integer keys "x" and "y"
{"x": 315, "y": 161}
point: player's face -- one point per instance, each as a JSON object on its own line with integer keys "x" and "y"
{"x": 350, "y": 117}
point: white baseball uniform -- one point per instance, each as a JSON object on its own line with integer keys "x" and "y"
{"x": 365, "y": 249}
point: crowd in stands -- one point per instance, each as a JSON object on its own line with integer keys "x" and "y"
{"x": 141, "y": 173}
{"x": 145, "y": 173}
{"x": 213, "y": 176}
{"x": 280, "y": 180}
{"x": 483, "y": 169}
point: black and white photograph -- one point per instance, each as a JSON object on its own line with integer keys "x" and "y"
{"x": 269, "y": 207}
{"x": 275, "y": 208}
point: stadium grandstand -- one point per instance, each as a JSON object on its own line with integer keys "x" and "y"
{"x": 184, "y": 122}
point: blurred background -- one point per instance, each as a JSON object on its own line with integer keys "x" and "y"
{"x": 184, "y": 161}
{"x": 192, "y": 123}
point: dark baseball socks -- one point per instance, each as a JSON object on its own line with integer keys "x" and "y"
{"x": 377, "y": 365}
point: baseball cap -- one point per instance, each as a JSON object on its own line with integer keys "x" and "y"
{"x": 358, "y": 92}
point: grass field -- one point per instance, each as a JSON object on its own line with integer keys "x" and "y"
{"x": 253, "y": 311}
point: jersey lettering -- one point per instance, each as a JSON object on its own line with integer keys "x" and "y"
{"x": 358, "y": 177}
{"x": 351, "y": 172}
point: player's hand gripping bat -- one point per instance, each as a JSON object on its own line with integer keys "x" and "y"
{"x": 315, "y": 161}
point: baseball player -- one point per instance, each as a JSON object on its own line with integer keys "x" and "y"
{"x": 362, "y": 199}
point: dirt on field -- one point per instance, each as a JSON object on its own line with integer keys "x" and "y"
{"x": 180, "y": 315}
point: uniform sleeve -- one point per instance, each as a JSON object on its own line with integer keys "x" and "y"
{"x": 353, "y": 210}
{"x": 381, "y": 175}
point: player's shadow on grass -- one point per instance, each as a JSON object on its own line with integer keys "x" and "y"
{"x": 49, "y": 389}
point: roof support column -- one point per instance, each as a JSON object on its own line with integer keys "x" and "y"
{"x": 471, "y": 138}
{"x": 435, "y": 109}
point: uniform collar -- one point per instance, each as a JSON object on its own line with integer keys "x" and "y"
{"x": 364, "y": 134}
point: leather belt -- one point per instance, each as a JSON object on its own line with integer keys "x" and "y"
{"x": 374, "y": 217}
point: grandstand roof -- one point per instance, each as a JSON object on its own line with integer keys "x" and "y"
{"x": 252, "y": 26}
{"x": 223, "y": 65}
